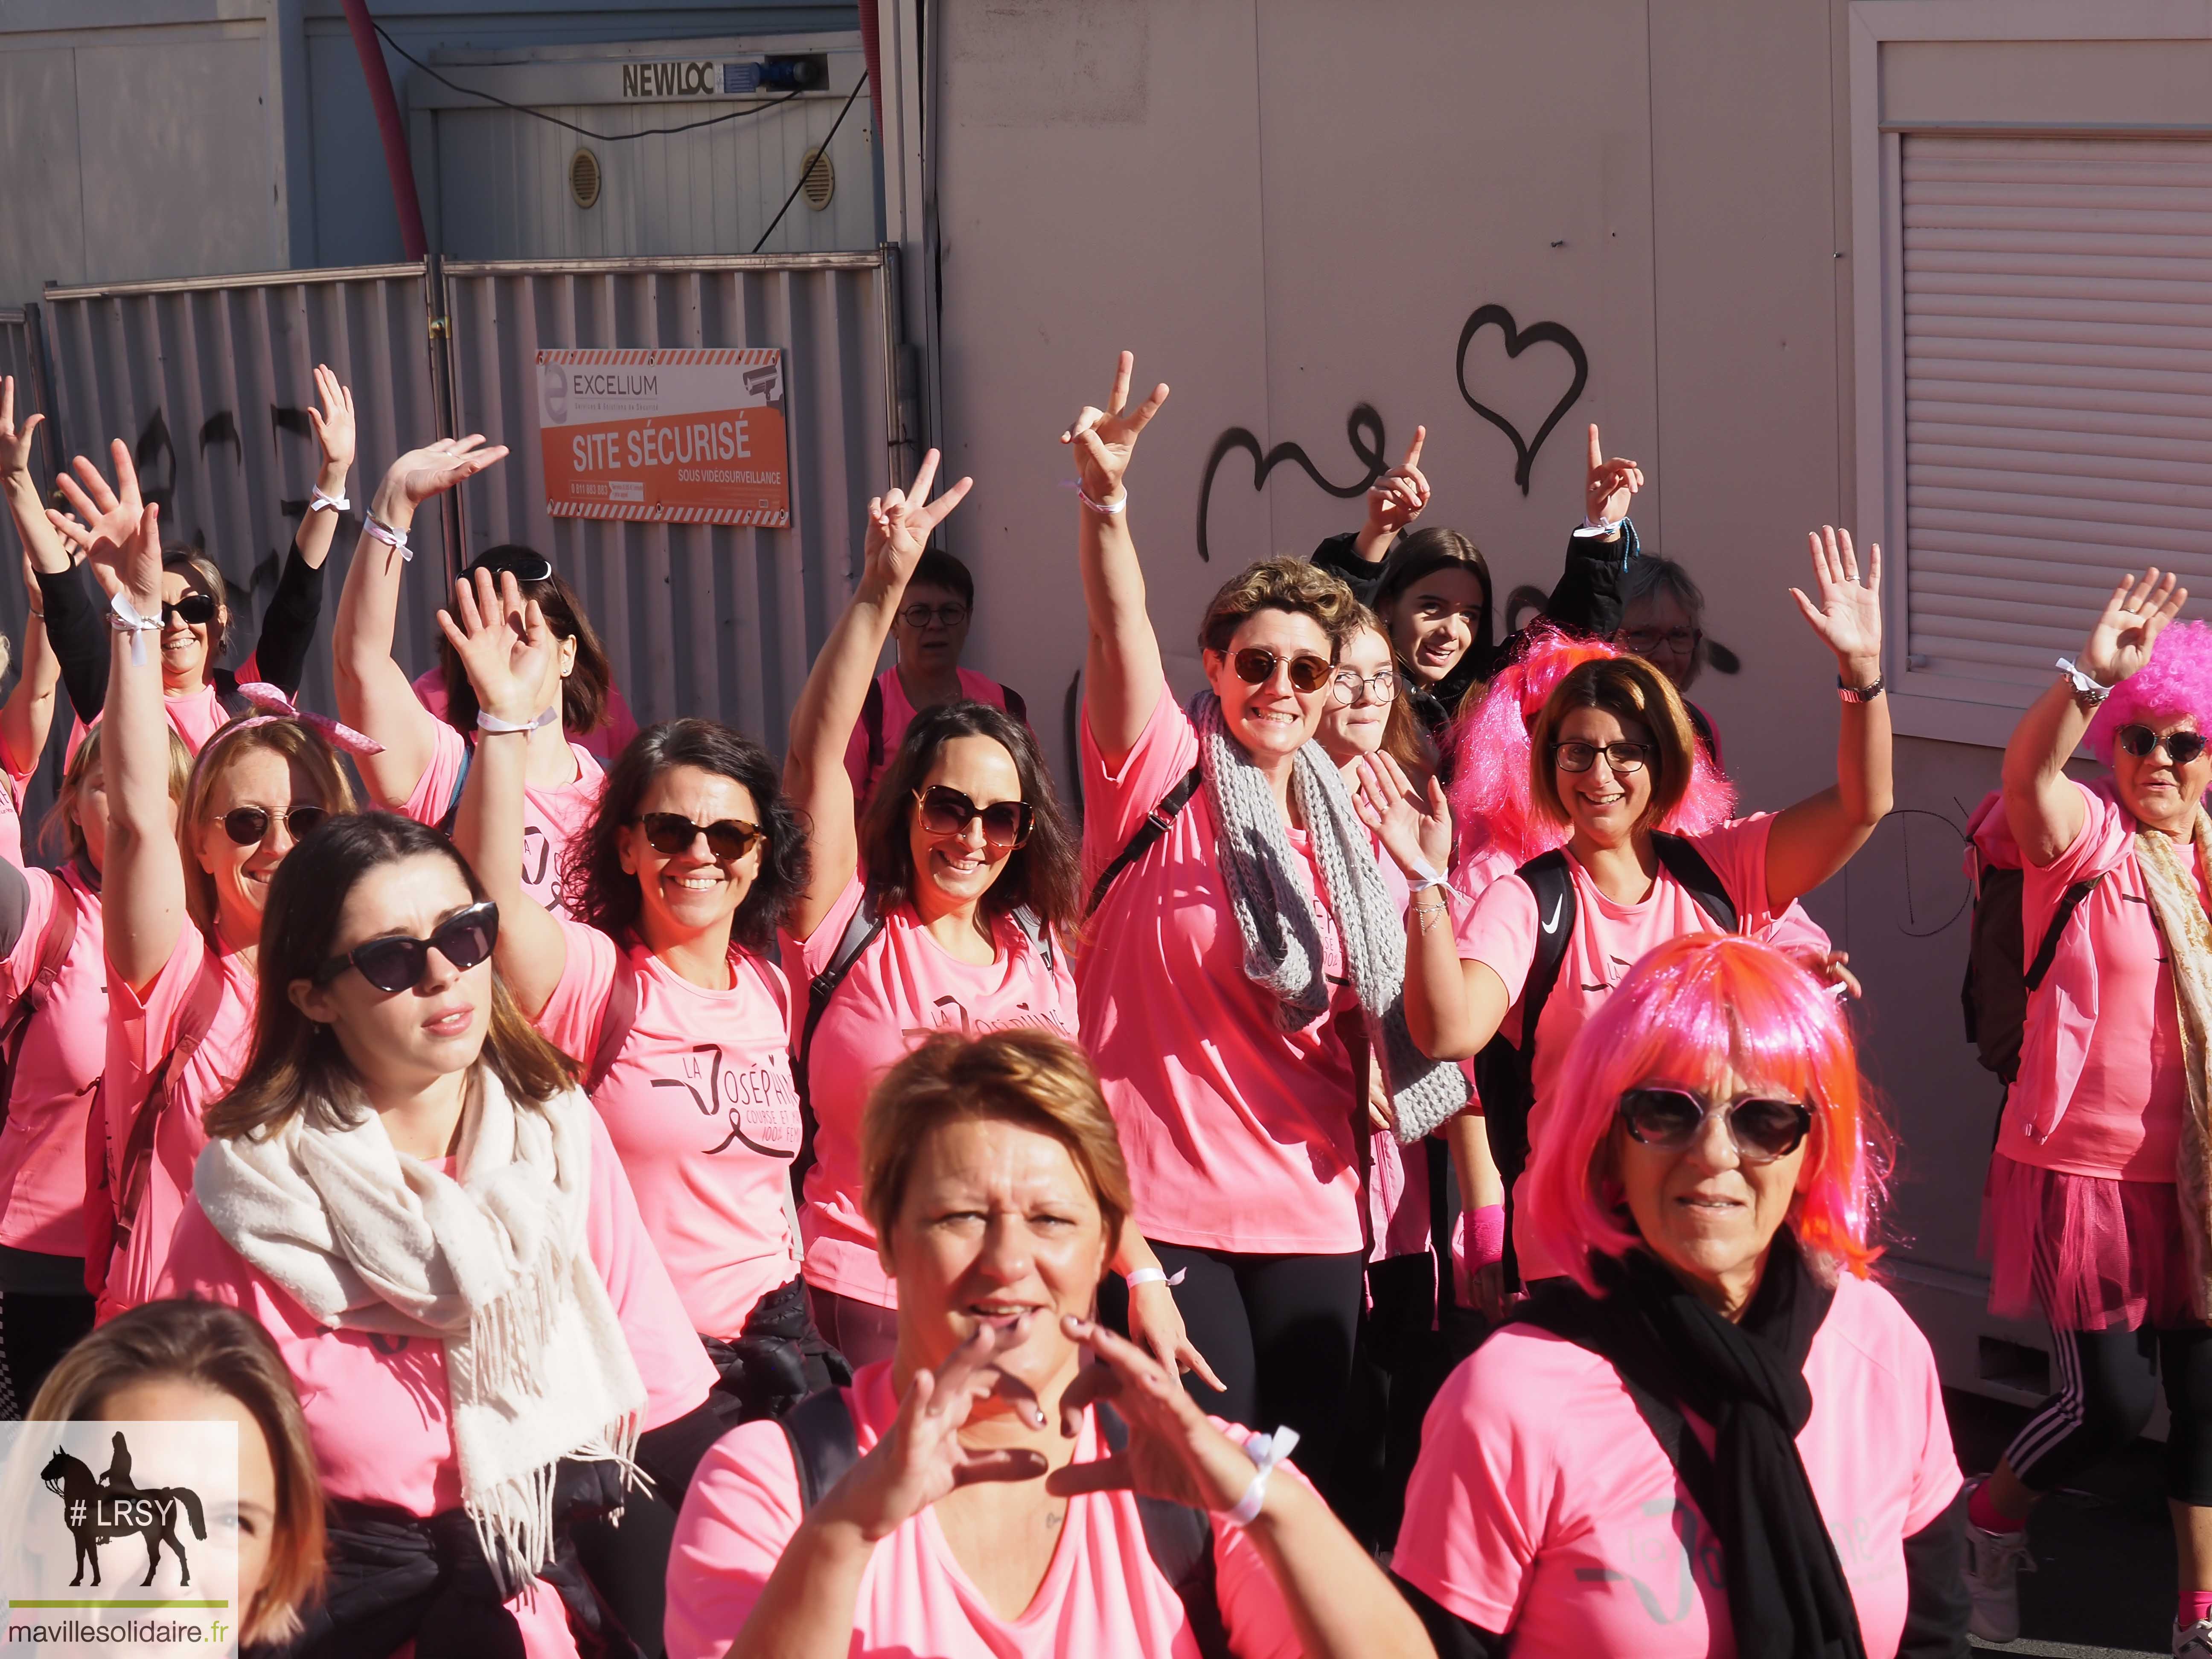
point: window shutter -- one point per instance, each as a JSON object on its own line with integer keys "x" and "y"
{"x": 2058, "y": 308}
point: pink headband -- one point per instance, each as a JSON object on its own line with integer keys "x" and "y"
{"x": 263, "y": 696}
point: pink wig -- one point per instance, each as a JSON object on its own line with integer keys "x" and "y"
{"x": 1490, "y": 785}
{"x": 2176, "y": 681}
{"x": 1699, "y": 1006}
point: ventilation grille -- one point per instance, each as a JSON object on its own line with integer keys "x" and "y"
{"x": 821, "y": 180}
{"x": 584, "y": 178}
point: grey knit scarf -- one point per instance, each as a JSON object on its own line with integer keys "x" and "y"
{"x": 1273, "y": 897}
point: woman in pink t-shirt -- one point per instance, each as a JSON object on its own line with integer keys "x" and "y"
{"x": 1241, "y": 931}
{"x": 967, "y": 864}
{"x": 425, "y": 761}
{"x": 183, "y": 886}
{"x": 53, "y": 980}
{"x": 407, "y": 1189}
{"x": 2096, "y": 1213}
{"x": 985, "y": 1494}
{"x": 665, "y": 985}
{"x": 1716, "y": 1435}
{"x": 1610, "y": 758}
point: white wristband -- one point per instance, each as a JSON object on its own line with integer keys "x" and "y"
{"x": 492, "y": 726}
{"x": 2089, "y": 690}
{"x": 373, "y": 526}
{"x": 1266, "y": 1450}
{"x": 1154, "y": 1276}
{"x": 125, "y": 619}
{"x": 337, "y": 503}
{"x": 1109, "y": 508}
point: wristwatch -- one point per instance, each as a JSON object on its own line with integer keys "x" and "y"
{"x": 1858, "y": 692}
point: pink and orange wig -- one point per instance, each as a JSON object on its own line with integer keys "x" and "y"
{"x": 2176, "y": 681}
{"x": 1489, "y": 795}
{"x": 1695, "y": 1009}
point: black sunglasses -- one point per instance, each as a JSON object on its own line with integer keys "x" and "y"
{"x": 1256, "y": 666}
{"x": 1621, "y": 756}
{"x": 197, "y": 609}
{"x": 248, "y": 824}
{"x": 393, "y": 964}
{"x": 2181, "y": 747}
{"x": 1671, "y": 1119}
{"x": 671, "y": 834}
{"x": 522, "y": 564}
{"x": 946, "y": 811}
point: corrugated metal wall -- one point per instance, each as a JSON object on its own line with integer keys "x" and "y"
{"x": 700, "y": 619}
{"x": 209, "y": 382}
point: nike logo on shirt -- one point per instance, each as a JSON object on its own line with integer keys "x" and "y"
{"x": 1553, "y": 925}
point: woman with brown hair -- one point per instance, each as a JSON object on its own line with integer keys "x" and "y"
{"x": 177, "y": 1362}
{"x": 408, "y": 1191}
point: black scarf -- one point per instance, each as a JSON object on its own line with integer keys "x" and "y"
{"x": 1788, "y": 1597}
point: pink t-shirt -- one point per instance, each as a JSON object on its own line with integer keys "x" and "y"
{"x": 552, "y": 819}
{"x": 142, "y": 1031}
{"x": 2102, "y": 1083}
{"x": 195, "y": 717}
{"x": 63, "y": 1053}
{"x": 898, "y": 714}
{"x": 13, "y": 778}
{"x": 1238, "y": 1134}
{"x": 605, "y": 741}
{"x": 1542, "y": 1507}
{"x": 904, "y": 987}
{"x": 376, "y": 1405}
{"x": 1101, "y": 1596}
{"x": 702, "y": 1109}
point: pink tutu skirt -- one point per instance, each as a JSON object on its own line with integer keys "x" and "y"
{"x": 2086, "y": 1252}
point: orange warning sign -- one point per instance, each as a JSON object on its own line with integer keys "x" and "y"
{"x": 692, "y": 435}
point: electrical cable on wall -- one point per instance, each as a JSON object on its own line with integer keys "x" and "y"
{"x": 604, "y": 138}
{"x": 823, "y": 149}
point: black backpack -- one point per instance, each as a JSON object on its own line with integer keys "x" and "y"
{"x": 1503, "y": 1074}
{"x": 1179, "y": 1539}
{"x": 2000, "y": 975}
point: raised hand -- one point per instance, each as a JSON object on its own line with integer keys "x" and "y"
{"x": 1173, "y": 1451}
{"x": 1847, "y": 612}
{"x": 119, "y": 532}
{"x": 1102, "y": 439}
{"x": 919, "y": 1458}
{"x": 15, "y": 441}
{"x": 1415, "y": 828}
{"x": 1400, "y": 496}
{"x": 899, "y": 526}
{"x": 431, "y": 471}
{"x": 2133, "y": 618}
{"x": 1609, "y": 485}
{"x": 505, "y": 646}
{"x": 333, "y": 423}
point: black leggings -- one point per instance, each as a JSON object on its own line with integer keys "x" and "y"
{"x": 1277, "y": 1329}
{"x": 35, "y": 1332}
{"x": 2107, "y": 1384}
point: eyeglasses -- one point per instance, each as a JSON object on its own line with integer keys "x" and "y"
{"x": 1671, "y": 1120}
{"x": 1347, "y": 687}
{"x": 393, "y": 964}
{"x": 945, "y": 616}
{"x": 1645, "y": 640}
{"x": 247, "y": 825}
{"x": 946, "y": 811}
{"x": 1256, "y": 667}
{"x": 198, "y": 609}
{"x": 2181, "y": 747}
{"x": 520, "y": 562}
{"x": 1623, "y": 757}
{"x": 728, "y": 839}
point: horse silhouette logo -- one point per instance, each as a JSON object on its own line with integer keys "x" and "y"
{"x": 96, "y": 1509}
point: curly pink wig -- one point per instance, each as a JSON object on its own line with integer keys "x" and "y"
{"x": 2176, "y": 681}
{"x": 1691, "y": 1011}
{"x": 1489, "y": 798}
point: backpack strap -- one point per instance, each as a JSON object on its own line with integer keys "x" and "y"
{"x": 452, "y": 815}
{"x": 824, "y": 1443}
{"x": 1557, "y": 907}
{"x": 226, "y": 696}
{"x": 1038, "y": 931}
{"x": 617, "y": 1022}
{"x": 2047, "y": 952}
{"x": 53, "y": 954}
{"x": 1015, "y": 706}
{"x": 872, "y": 723}
{"x": 1679, "y": 858}
{"x": 1155, "y": 824}
{"x": 860, "y": 931}
{"x": 1180, "y": 1540}
{"x": 198, "y": 1019}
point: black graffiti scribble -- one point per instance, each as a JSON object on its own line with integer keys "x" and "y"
{"x": 222, "y": 428}
{"x": 153, "y": 440}
{"x": 1518, "y": 340}
{"x": 1363, "y": 427}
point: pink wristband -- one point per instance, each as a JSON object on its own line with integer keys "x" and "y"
{"x": 1482, "y": 1235}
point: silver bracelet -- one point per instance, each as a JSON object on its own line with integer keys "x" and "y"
{"x": 2087, "y": 692}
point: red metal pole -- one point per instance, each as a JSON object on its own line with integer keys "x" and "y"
{"x": 396, "y": 160}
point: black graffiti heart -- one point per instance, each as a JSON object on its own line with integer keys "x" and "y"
{"x": 1363, "y": 427}
{"x": 1518, "y": 340}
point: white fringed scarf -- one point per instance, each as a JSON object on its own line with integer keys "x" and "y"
{"x": 494, "y": 1265}
{"x": 2188, "y": 932}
